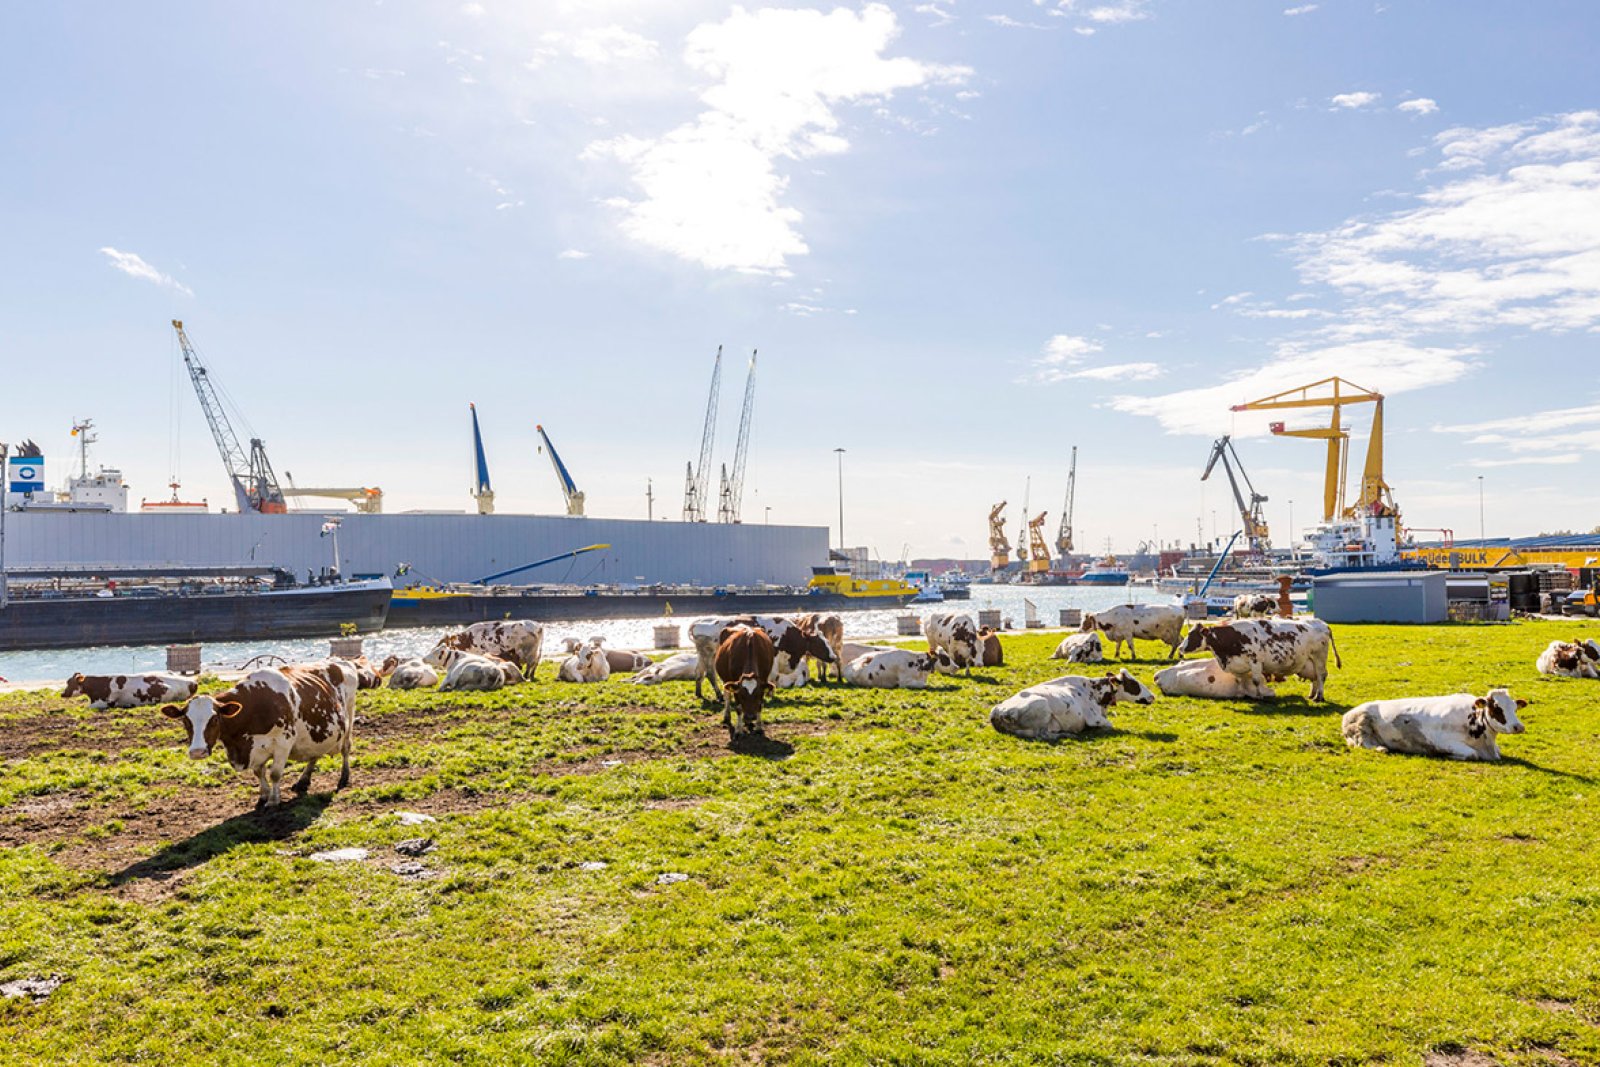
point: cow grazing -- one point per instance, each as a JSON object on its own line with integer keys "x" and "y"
{"x": 676, "y": 668}
{"x": 588, "y": 664}
{"x": 744, "y": 662}
{"x": 1254, "y": 605}
{"x": 129, "y": 690}
{"x": 1121, "y": 624}
{"x": 1253, "y": 649}
{"x": 517, "y": 641}
{"x": 831, "y": 629}
{"x": 267, "y": 719}
{"x": 409, "y": 674}
{"x": 470, "y": 671}
{"x": 1065, "y": 706}
{"x": 895, "y": 668}
{"x": 1080, "y": 648}
{"x": 1570, "y": 659}
{"x": 959, "y": 637}
{"x": 791, "y": 645}
{"x": 1461, "y": 726}
{"x": 1205, "y": 678}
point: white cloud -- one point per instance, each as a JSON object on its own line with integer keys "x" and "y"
{"x": 1390, "y": 367}
{"x": 1084, "y": 31}
{"x": 1121, "y": 372}
{"x": 1419, "y": 105}
{"x": 1126, "y": 11}
{"x": 597, "y": 46}
{"x": 1563, "y": 459}
{"x": 710, "y": 190}
{"x": 940, "y": 16}
{"x": 134, "y": 266}
{"x": 1515, "y": 244}
{"x": 1533, "y": 436}
{"x": 472, "y": 10}
{"x": 1354, "y": 100}
{"x": 572, "y": 253}
{"x": 1303, "y": 9}
{"x": 1065, "y": 348}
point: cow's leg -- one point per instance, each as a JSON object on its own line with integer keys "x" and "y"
{"x": 1258, "y": 682}
{"x": 727, "y": 715}
{"x": 344, "y": 751}
{"x": 264, "y": 791}
{"x": 302, "y": 783}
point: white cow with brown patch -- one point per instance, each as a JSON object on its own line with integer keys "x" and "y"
{"x": 408, "y": 674}
{"x": 1147, "y": 622}
{"x": 1080, "y": 648}
{"x": 129, "y": 690}
{"x": 267, "y": 719}
{"x": 470, "y": 671}
{"x": 587, "y": 664}
{"x": 517, "y": 641}
{"x": 1570, "y": 659}
{"x": 1460, "y": 726}
{"x": 680, "y": 667}
{"x": 1205, "y": 678}
{"x": 894, "y": 668}
{"x": 1065, "y": 706}
{"x": 958, "y": 636}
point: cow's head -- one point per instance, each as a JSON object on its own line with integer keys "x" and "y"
{"x": 1590, "y": 648}
{"x": 817, "y": 646}
{"x": 1500, "y": 712}
{"x": 748, "y": 693}
{"x": 388, "y": 665}
{"x": 992, "y": 656}
{"x": 944, "y": 663}
{"x": 202, "y": 720}
{"x": 367, "y": 676}
{"x": 74, "y": 686}
{"x": 1088, "y": 626}
{"x": 1129, "y": 688}
{"x": 1195, "y": 639}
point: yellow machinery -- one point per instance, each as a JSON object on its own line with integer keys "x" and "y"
{"x": 1375, "y": 498}
{"x": 367, "y": 501}
{"x": 999, "y": 547}
{"x": 1038, "y": 551}
{"x": 1499, "y": 557}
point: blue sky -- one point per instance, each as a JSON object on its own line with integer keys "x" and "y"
{"x": 964, "y": 236}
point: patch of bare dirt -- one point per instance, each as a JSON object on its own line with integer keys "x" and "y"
{"x": 1462, "y": 1058}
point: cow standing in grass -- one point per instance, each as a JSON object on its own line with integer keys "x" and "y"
{"x": 791, "y": 645}
{"x": 958, "y": 636}
{"x": 1255, "y": 649}
{"x": 1121, "y": 624}
{"x": 519, "y": 642}
{"x": 744, "y": 662}
{"x": 831, "y": 629}
{"x": 1460, "y": 726}
{"x": 269, "y": 718}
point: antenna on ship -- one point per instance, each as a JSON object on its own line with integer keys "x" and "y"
{"x": 82, "y": 431}
{"x": 699, "y": 477}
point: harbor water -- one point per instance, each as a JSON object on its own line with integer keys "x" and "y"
{"x": 1009, "y": 600}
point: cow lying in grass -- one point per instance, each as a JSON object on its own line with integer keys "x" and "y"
{"x": 1460, "y": 726}
{"x": 1206, "y": 679}
{"x": 893, "y": 668}
{"x": 409, "y": 674}
{"x": 588, "y": 664}
{"x": 677, "y": 668}
{"x": 1065, "y": 706}
{"x": 1080, "y": 648}
{"x": 469, "y": 671}
{"x": 1570, "y": 659}
{"x": 128, "y": 690}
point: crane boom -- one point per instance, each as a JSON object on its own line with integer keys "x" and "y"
{"x": 569, "y": 488}
{"x": 1251, "y": 514}
{"x": 1064, "y": 535}
{"x": 255, "y": 486}
{"x": 999, "y": 547}
{"x": 699, "y": 476}
{"x": 733, "y": 488}
{"x": 1376, "y": 497}
{"x": 482, "y": 492}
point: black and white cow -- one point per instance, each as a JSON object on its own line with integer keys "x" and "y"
{"x": 1254, "y": 650}
{"x": 1067, "y": 705}
{"x": 1460, "y": 726}
{"x": 1159, "y": 622}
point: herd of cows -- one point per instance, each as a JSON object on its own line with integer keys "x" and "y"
{"x": 306, "y": 711}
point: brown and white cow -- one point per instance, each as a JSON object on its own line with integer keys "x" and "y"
{"x": 517, "y": 641}
{"x": 892, "y": 668}
{"x": 267, "y": 719}
{"x": 471, "y": 671}
{"x": 1460, "y": 726}
{"x": 959, "y": 636}
{"x": 1121, "y": 624}
{"x": 409, "y": 674}
{"x": 1254, "y": 605}
{"x": 744, "y": 661}
{"x": 1080, "y": 648}
{"x": 129, "y": 690}
{"x": 791, "y": 645}
{"x": 587, "y": 664}
{"x": 1206, "y": 679}
{"x": 680, "y": 667}
{"x": 1049, "y": 711}
{"x": 1570, "y": 659}
{"x": 991, "y": 652}
{"x": 831, "y": 629}
{"x": 1255, "y": 649}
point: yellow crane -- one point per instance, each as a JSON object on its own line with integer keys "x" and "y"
{"x": 1038, "y": 551}
{"x": 999, "y": 547}
{"x": 368, "y": 501}
{"x": 1335, "y": 393}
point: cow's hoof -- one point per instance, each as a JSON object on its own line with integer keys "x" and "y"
{"x": 344, "y": 781}
{"x": 299, "y": 788}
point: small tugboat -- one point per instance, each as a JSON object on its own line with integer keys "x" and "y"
{"x": 1107, "y": 571}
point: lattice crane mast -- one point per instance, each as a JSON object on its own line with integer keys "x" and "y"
{"x": 999, "y": 547}
{"x": 698, "y": 477}
{"x": 732, "y": 494}
{"x": 1251, "y": 513}
{"x": 1038, "y": 551}
{"x": 1376, "y": 497}
{"x": 1064, "y": 535}
{"x": 255, "y": 486}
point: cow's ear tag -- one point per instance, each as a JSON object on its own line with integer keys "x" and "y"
{"x": 1480, "y": 703}
{"x": 1522, "y": 703}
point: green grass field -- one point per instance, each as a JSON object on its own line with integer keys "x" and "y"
{"x": 887, "y": 880}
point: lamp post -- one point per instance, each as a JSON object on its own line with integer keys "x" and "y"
{"x": 1294, "y": 542}
{"x": 1480, "y": 508}
{"x": 769, "y": 514}
{"x": 840, "y": 453}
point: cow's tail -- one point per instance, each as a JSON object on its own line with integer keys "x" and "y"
{"x": 1337, "y": 662}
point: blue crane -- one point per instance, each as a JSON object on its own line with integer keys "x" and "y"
{"x": 569, "y": 488}
{"x": 482, "y": 493}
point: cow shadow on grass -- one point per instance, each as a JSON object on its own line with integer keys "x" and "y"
{"x": 1518, "y": 761}
{"x": 761, "y": 746}
{"x": 271, "y": 824}
{"x": 1296, "y": 705}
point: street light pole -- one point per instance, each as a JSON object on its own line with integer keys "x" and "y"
{"x": 1480, "y": 508}
{"x": 1294, "y": 542}
{"x": 840, "y": 453}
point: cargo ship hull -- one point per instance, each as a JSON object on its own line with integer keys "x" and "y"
{"x": 78, "y": 622}
{"x": 463, "y": 609}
